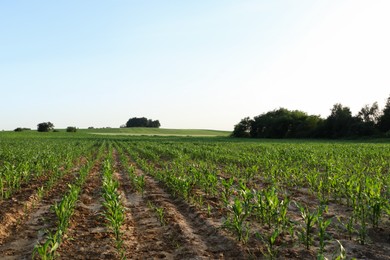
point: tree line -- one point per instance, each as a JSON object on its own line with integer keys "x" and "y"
{"x": 132, "y": 122}
{"x": 284, "y": 123}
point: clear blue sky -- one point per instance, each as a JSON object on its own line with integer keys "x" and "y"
{"x": 190, "y": 64}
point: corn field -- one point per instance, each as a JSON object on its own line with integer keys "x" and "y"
{"x": 112, "y": 197}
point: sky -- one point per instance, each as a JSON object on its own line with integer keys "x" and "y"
{"x": 189, "y": 64}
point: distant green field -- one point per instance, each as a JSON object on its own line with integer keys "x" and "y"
{"x": 155, "y": 131}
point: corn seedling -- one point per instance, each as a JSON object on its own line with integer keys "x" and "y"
{"x": 310, "y": 219}
{"x": 236, "y": 220}
{"x": 341, "y": 254}
{"x": 114, "y": 210}
{"x": 226, "y": 190}
{"x": 46, "y": 251}
{"x": 270, "y": 241}
{"x": 322, "y": 226}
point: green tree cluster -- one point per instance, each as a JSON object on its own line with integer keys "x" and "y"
{"x": 20, "y": 129}
{"x": 45, "y": 127}
{"x": 283, "y": 123}
{"x": 142, "y": 122}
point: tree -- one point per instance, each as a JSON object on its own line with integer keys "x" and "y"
{"x": 369, "y": 114}
{"x": 153, "y": 123}
{"x": 339, "y": 123}
{"x": 366, "y": 120}
{"x": 243, "y": 128}
{"x": 45, "y": 127}
{"x": 20, "y": 129}
{"x": 384, "y": 119}
{"x": 71, "y": 129}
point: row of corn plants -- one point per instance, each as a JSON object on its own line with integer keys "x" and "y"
{"x": 137, "y": 180}
{"x": 114, "y": 210}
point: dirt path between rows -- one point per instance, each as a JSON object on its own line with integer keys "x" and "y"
{"x": 88, "y": 236}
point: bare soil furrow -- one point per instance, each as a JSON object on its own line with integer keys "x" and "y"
{"x": 88, "y": 236}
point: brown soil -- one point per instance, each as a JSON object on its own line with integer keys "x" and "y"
{"x": 13, "y": 210}
{"x": 22, "y": 230}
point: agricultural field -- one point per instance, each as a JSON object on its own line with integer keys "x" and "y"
{"x": 87, "y": 196}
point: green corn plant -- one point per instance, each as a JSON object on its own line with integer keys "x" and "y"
{"x": 198, "y": 200}
{"x": 349, "y": 225}
{"x": 46, "y": 251}
{"x": 270, "y": 241}
{"x": 260, "y": 207}
{"x": 2, "y": 186}
{"x": 271, "y": 202}
{"x": 270, "y": 209}
{"x": 247, "y": 198}
{"x": 160, "y": 215}
{"x": 362, "y": 215}
{"x": 211, "y": 181}
{"x": 309, "y": 219}
{"x": 41, "y": 192}
{"x": 64, "y": 209}
{"x": 227, "y": 190}
{"x": 160, "y": 212}
{"x": 209, "y": 210}
{"x": 140, "y": 183}
{"x": 236, "y": 222}
{"x": 322, "y": 226}
{"x": 250, "y": 172}
{"x": 341, "y": 254}
{"x": 375, "y": 200}
{"x": 360, "y": 210}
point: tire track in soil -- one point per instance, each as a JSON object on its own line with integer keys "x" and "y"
{"x": 87, "y": 236}
{"x": 143, "y": 235}
{"x": 196, "y": 236}
{"x": 25, "y": 235}
{"x": 199, "y": 234}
